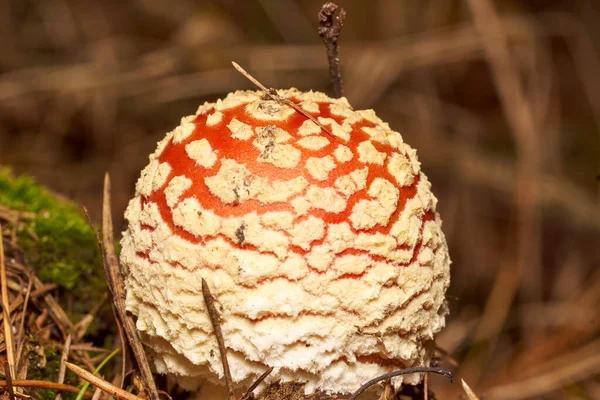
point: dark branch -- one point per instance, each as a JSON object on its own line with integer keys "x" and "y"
{"x": 214, "y": 318}
{"x": 398, "y": 373}
{"x": 261, "y": 378}
{"x": 329, "y": 29}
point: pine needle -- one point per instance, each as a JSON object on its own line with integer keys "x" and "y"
{"x": 8, "y": 332}
{"x": 100, "y": 383}
{"x": 98, "y": 368}
{"x": 272, "y": 93}
{"x": 37, "y": 384}
{"x": 469, "y": 392}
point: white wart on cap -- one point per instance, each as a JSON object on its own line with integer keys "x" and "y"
{"x": 324, "y": 252}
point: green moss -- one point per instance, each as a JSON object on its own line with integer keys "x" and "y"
{"x": 64, "y": 250}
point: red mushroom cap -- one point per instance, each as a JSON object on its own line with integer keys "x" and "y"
{"x": 323, "y": 250}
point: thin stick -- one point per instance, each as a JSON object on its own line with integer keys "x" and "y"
{"x": 167, "y": 395}
{"x": 469, "y": 392}
{"x": 100, "y": 383}
{"x": 272, "y": 93}
{"x": 82, "y": 326}
{"x": 398, "y": 373}
{"x": 261, "y": 378}
{"x": 26, "y": 303}
{"x": 8, "y": 333}
{"x": 97, "y": 394}
{"x": 387, "y": 392}
{"x": 9, "y": 382}
{"x": 56, "y": 312}
{"x": 115, "y": 284}
{"x": 96, "y": 371}
{"x": 329, "y": 30}
{"x": 114, "y": 308}
{"x": 255, "y": 81}
{"x": 214, "y": 318}
{"x": 63, "y": 367}
{"x": 35, "y": 294}
{"x": 42, "y": 385}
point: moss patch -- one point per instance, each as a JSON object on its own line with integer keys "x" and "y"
{"x": 64, "y": 249}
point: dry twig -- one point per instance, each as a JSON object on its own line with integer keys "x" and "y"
{"x": 214, "y": 318}
{"x": 41, "y": 291}
{"x": 406, "y": 371}
{"x": 114, "y": 280}
{"x": 97, "y": 394}
{"x": 8, "y": 333}
{"x": 329, "y": 30}
{"x": 272, "y": 93}
{"x": 82, "y": 326}
{"x": 100, "y": 383}
{"x": 9, "y": 381}
{"x": 63, "y": 364}
{"x": 114, "y": 310}
{"x": 248, "y": 394}
{"x": 37, "y": 384}
{"x": 469, "y": 392}
{"x": 26, "y": 303}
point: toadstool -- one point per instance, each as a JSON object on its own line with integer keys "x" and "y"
{"x": 323, "y": 249}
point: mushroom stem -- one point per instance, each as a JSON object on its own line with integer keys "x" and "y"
{"x": 214, "y": 319}
{"x": 399, "y": 372}
{"x": 329, "y": 30}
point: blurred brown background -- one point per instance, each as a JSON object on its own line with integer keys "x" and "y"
{"x": 501, "y": 100}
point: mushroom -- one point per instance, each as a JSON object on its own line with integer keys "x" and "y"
{"x": 322, "y": 247}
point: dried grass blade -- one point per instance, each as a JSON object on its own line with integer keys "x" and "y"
{"x": 248, "y": 394}
{"x": 82, "y": 326}
{"x": 57, "y": 313}
{"x": 26, "y": 303}
{"x": 63, "y": 367}
{"x": 116, "y": 286}
{"x": 469, "y": 392}
{"x": 273, "y": 94}
{"x": 399, "y": 372}
{"x": 8, "y": 333}
{"x": 97, "y": 394}
{"x": 114, "y": 307}
{"x": 34, "y": 294}
{"x": 9, "y": 383}
{"x": 97, "y": 370}
{"x": 103, "y": 385}
{"x": 214, "y": 318}
{"x": 42, "y": 385}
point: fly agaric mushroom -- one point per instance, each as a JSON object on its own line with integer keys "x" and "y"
{"x": 323, "y": 248}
